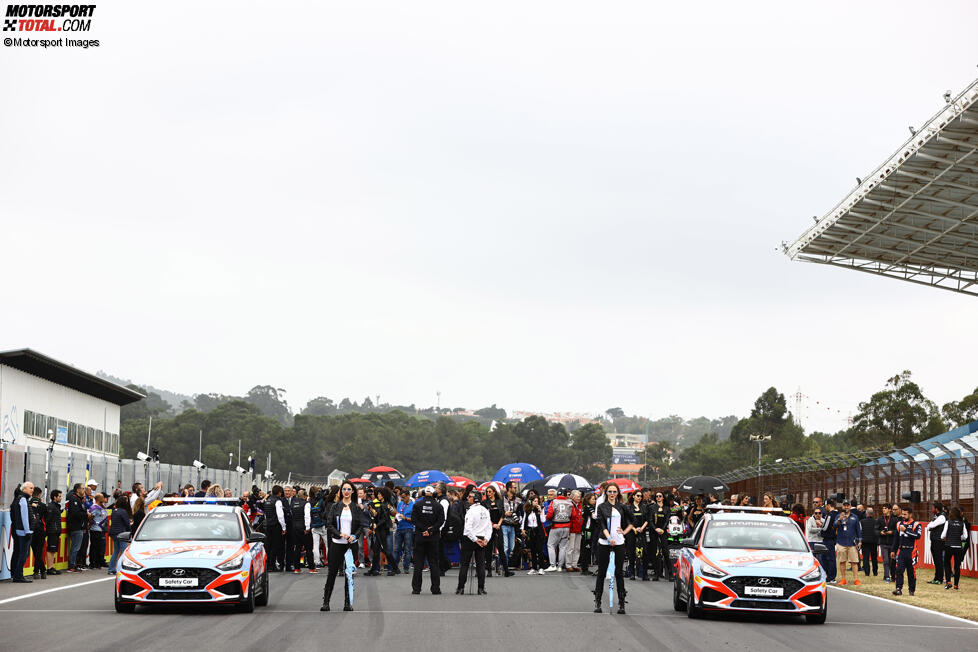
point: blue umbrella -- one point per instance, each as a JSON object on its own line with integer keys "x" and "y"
{"x": 424, "y": 478}
{"x": 520, "y": 472}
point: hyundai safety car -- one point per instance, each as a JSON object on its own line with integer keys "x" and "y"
{"x": 198, "y": 552}
{"x": 749, "y": 560}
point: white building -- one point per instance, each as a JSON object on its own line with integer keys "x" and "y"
{"x": 39, "y": 395}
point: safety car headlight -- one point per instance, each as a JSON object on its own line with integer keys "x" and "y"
{"x": 709, "y": 570}
{"x": 129, "y": 564}
{"x": 812, "y": 575}
{"x": 231, "y": 564}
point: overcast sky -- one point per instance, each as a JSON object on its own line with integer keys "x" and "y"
{"x": 548, "y": 206}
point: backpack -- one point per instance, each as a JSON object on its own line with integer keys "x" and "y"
{"x": 455, "y": 522}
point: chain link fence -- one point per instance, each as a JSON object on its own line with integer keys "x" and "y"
{"x": 875, "y": 479}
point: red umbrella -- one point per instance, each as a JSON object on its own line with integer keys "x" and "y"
{"x": 382, "y": 469}
{"x": 626, "y": 485}
{"x": 461, "y": 481}
{"x": 360, "y": 481}
{"x": 499, "y": 486}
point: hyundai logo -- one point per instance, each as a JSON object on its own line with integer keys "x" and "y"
{"x": 179, "y": 571}
{"x": 764, "y": 581}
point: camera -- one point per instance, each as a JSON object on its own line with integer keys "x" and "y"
{"x": 199, "y": 464}
{"x": 269, "y": 474}
{"x": 239, "y": 469}
{"x": 143, "y": 456}
{"x": 911, "y": 496}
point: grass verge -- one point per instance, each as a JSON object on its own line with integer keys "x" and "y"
{"x": 962, "y": 603}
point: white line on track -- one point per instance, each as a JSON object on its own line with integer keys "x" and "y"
{"x": 59, "y": 588}
{"x": 909, "y": 606}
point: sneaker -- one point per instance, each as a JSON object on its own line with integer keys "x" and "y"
{"x": 955, "y": 587}
{"x": 313, "y": 570}
{"x": 897, "y": 592}
{"x": 361, "y": 565}
{"x": 911, "y": 594}
{"x": 297, "y": 570}
{"x": 947, "y": 586}
{"x": 857, "y": 583}
{"x": 833, "y": 582}
{"x": 550, "y": 569}
{"x": 531, "y": 572}
{"x": 843, "y": 583}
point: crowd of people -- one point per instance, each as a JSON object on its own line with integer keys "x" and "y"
{"x": 399, "y": 530}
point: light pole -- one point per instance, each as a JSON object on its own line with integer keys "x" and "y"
{"x": 759, "y": 439}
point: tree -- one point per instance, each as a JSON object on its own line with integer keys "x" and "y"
{"x": 592, "y": 451}
{"x": 491, "y": 412}
{"x": 962, "y": 412}
{"x": 614, "y": 413}
{"x": 896, "y": 416}
{"x": 319, "y": 406}
{"x": 547, "y": 442}
{"x": 271, "y": 402}
{"x": 151, "y": 406}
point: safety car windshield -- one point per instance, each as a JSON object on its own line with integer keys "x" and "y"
{"x": 196, "y": 526}
{"x": 756, "y": 534}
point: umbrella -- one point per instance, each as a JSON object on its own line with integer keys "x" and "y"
{"x": 562, "y": 482}
{"x": 422, "y": 478}
{"x": 520, "y": 472}
{"x": 626, "y": 485}
{"x": 461, "y": 481}
{"x": 703, "y": 484}
{"x": 360, "y": 482}
{"x": 381, "y": 474}
{"x": 498, "y": 486}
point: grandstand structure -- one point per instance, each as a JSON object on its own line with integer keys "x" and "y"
{"x": 915, "y": 217}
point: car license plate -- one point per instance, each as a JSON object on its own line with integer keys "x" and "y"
{"x": 764, "y": 591}
{"x": 178, "y": 582}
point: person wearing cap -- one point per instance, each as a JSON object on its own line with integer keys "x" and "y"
{"x": 476, "y": 535}
{"x": 428, "y": 517}
{"x": 848, "y": 539}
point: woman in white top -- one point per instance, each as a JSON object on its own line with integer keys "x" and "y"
{"x": 346, "y": 523}
{"x": 533, "y": 532}
{"x": 612, "y": 523}
{"x": 476, "y": 535}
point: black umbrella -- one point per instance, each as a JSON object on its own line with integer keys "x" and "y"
{"x": 703, "y": 484}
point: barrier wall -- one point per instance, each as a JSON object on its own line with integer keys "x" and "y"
{"x": 60, "y": 558}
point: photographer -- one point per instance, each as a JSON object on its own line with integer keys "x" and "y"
{"x": 475, "y": 537}
{"x": 886, "y": 529}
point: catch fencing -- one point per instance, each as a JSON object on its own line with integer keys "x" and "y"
{"x": 876, "y": 480}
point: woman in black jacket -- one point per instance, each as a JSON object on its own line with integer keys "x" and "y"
{"x": 533, "y": 533}
{"x": 635, "y": 540}
{"x": 346, "y": 524}
{"x": 494, "y": 503}
{"x": 587, "y": 529}
{"x": 613, "y": 522}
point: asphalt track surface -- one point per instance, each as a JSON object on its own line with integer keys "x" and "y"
{"x": 520, "y": 613}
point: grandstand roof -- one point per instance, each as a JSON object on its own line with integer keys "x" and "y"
{"x": 957, "y": 443}
{"x": 915, "y": 217}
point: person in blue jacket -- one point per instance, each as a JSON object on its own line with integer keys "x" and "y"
{"x": 21, "y": 527}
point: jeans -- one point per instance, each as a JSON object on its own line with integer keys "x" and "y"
{"x": 828, "y": 560}
{"x": 76, "y": 544}
{"x": 22, "y": 548}
{"x": 403, "y": 548}
{"x": 118, "y": 547}
{"x": 509, "y": 541}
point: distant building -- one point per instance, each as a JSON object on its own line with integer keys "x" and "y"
{"x": 41, "y": 398}
{"x": 623, "y": 440}
{"x": 556, "y": 417}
